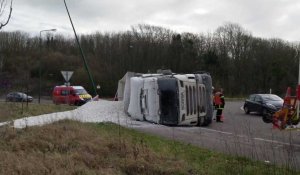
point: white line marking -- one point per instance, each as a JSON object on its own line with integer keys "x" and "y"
{"x": 256, "y": 138}
{"x": 278, "y": 142}
{"x": 213, "y": 130}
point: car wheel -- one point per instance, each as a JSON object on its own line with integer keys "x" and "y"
{"x": 246, "y": 109}
{"x": 77, "y": 103}
{"x": 264, "y": 112}
{"x": 268, "y": 118}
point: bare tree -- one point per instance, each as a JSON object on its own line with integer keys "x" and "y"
{"x": 3, "y": 5}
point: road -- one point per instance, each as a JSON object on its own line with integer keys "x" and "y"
{"x": 240, "y": 134}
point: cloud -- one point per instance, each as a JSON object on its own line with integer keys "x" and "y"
{"x": 264, "y": 18}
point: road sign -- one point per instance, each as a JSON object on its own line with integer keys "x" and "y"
{"x": 67, "y": 75}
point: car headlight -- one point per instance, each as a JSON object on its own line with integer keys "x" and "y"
{"x": 271, "y": 106}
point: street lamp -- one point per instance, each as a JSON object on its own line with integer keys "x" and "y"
{"x": 40, "y": 71}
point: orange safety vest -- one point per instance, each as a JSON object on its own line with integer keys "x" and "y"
{"x": 217, "y": 99}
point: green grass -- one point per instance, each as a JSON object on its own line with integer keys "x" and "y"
{"x": 69, "y": 147}
{"x": 14, "y": 110}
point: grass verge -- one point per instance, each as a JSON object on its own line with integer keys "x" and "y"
{"x": 14, "y": 110}
{"x": 69, "y": 147}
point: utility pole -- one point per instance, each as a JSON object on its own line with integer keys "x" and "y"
{"x": 298, "y": 86}
{"x": 40, "y": 60}
{"x": 82, "y": 54}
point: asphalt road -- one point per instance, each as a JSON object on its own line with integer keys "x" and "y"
{"x": 240, "y": 134}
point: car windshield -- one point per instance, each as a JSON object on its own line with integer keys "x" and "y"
{"x": 270, "y": 97}
{"x": 22, "y": 95}
{"x": 80, "y": 91}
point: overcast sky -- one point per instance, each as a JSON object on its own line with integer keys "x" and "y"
{"x": 263, "y": 18}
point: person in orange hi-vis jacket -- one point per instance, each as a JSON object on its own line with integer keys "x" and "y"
{"x": 219, "y": 104}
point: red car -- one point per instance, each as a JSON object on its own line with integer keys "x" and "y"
{"x": 72, "y": 95}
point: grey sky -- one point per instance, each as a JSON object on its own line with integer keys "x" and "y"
{"x": 263, "y": 18}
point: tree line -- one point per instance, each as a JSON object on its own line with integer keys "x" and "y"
{"x": 237, "y": 61}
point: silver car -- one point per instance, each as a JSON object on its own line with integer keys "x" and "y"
{"x": 18, "y": 97}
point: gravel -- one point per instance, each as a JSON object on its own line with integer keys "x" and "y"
{"x": 95, "y": 111}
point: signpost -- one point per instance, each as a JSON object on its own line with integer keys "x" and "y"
{"x": 67, "y": 76}
{"x": 298, "y": 87}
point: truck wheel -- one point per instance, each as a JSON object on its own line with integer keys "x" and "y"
{"x": 206, "y": 121}
{"x": 200, "y": 121}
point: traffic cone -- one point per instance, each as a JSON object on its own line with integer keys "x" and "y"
{"x": 275, "y": 123}
{"x": 222, "y": 118}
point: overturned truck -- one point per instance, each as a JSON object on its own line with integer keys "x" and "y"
{"x": 168, "y": 98}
